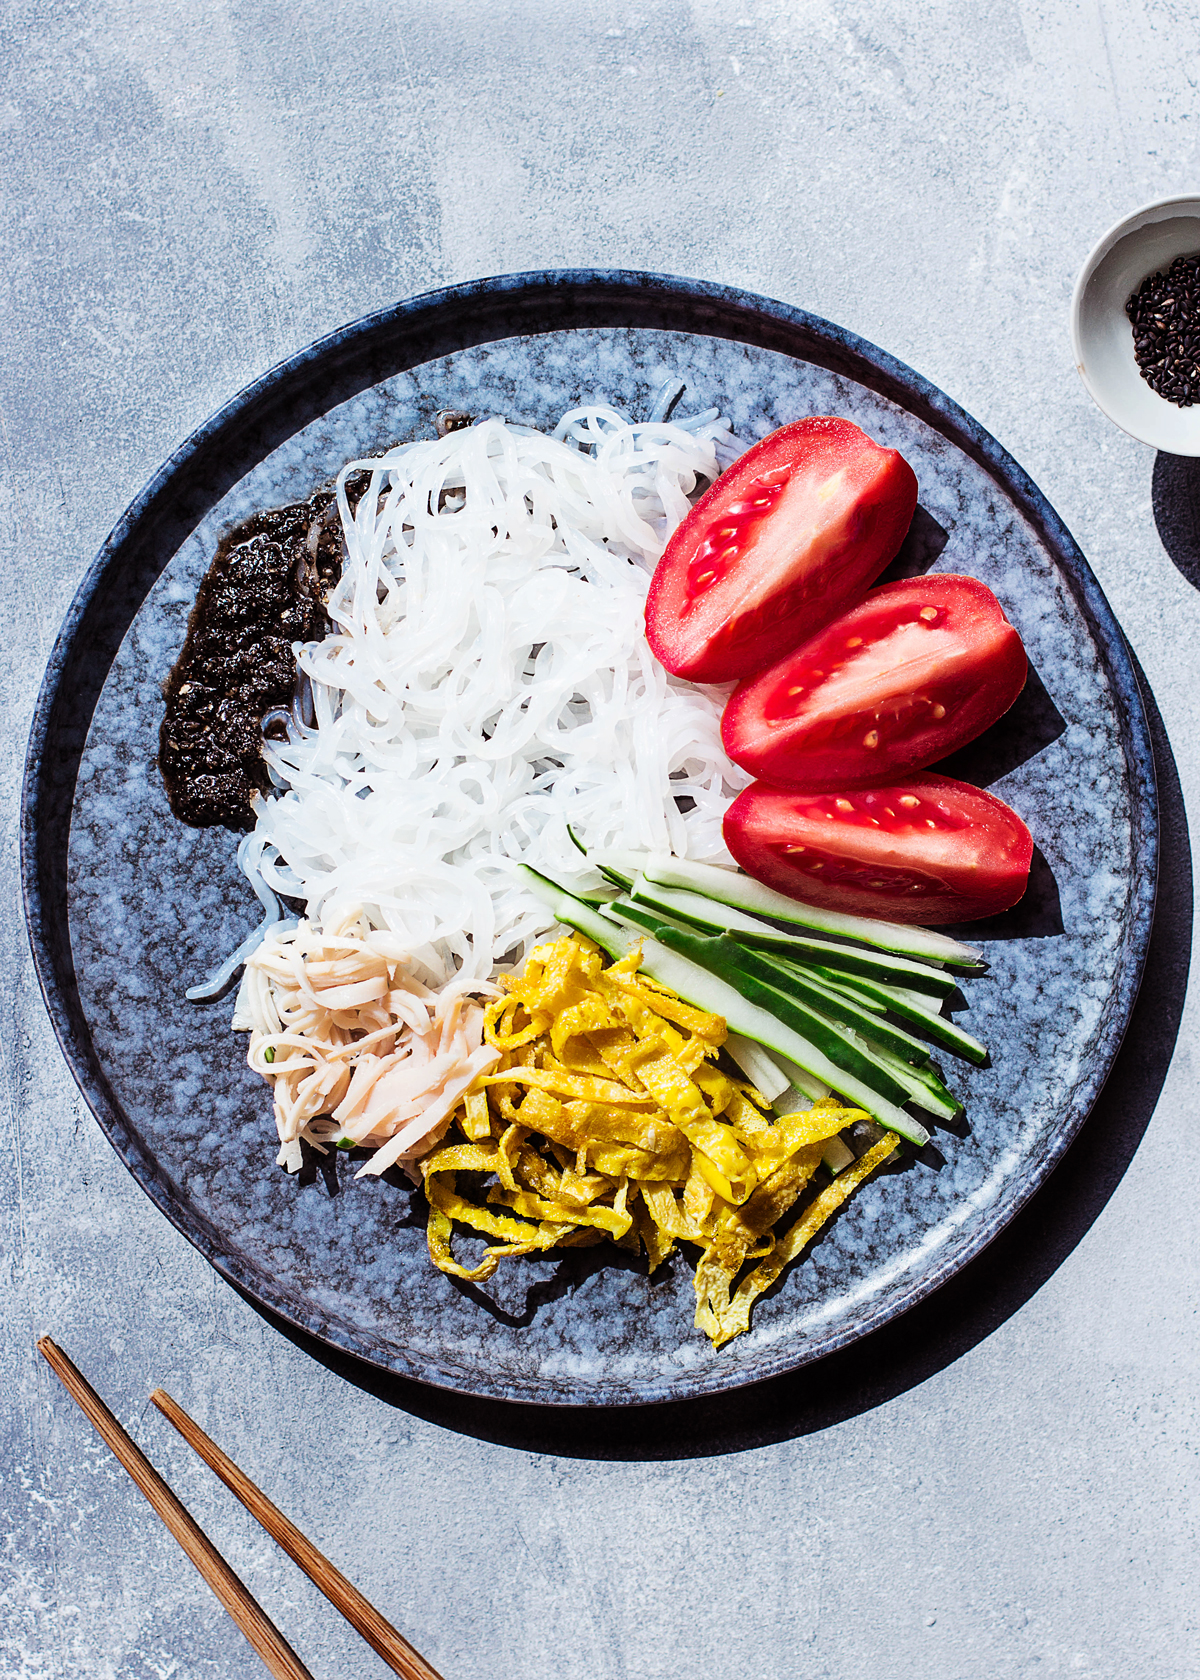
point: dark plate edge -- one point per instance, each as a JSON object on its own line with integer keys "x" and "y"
{"x": 551, "y": 301}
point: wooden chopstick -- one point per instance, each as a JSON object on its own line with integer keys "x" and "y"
{"x": 395, "y": 1650}
{"x": 246, "y": 1611}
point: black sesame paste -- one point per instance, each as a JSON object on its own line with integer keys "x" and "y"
{"x": 266, "y": 588}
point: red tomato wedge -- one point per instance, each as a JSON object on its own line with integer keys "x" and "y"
{"x": 925, "y": 850}
{"x": 911, "y": 674}
{"x": 796, "y": 530}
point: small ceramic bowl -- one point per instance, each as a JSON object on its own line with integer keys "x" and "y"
{"x": 1138, "y": 246}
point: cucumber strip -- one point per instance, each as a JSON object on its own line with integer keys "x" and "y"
{"x": 590, "y": 895}
{"x": 724, "y": 958}
{"x": 904, "y": 994}
{"x": 748, "y": 894}
{"x": 768, "y": 1080}
{"x": 906, "y": 1005}
{"x": 802, "y": 1090}
{"x": 618, "y": 865}
{"x": 844, "y": 1007}
{"x": 841, "y": 985}
{"x": 701, "y": 987}
{"x": 837, "y": 1155}
{"x": 818, "y": 1017}
{"x": 715, "y": 918}
{"x": 924, "y": 1085}
{"x": 573, "y": 912}
{"x": 805, "y": 1088}
{"x": 632, "y": 914}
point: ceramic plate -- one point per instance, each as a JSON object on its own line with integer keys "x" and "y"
{"x": 127, "y": 906}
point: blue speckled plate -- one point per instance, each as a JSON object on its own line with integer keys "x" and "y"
{"x": 126, "y": 906}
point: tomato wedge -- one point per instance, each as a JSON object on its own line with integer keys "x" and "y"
{"x": 796, "y": 530}
{"x": 926, "y": 850}
{"x": 911, "y": 674}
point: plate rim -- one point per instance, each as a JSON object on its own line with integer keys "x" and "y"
{"x": 552, "y": 300}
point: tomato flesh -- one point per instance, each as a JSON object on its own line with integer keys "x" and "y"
{"x": 795, "y": 531}
{"x": 927, "y": 849}
{"x": 908, "y": 676}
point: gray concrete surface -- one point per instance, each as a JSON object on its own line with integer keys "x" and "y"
{"x": 1006, "y": 1485}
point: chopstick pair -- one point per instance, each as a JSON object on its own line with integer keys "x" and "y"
{"x": 245, "y": 1609}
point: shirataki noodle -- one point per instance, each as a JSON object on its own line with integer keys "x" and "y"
{"x": 487, "y": 683}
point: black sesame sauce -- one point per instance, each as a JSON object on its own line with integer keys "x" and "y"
{"x": 266, "y": 588}
{"x": 1165, "y": 315}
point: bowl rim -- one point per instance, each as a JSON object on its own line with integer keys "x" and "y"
{"x": 1083, "y": 279}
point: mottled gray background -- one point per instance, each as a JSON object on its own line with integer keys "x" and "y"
{"x": 1004, "y": 1485}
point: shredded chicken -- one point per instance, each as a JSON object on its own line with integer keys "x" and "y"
{"x": 358, "y": 1051}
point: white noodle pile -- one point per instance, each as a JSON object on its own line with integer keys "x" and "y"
{"x": 488, "y": 682}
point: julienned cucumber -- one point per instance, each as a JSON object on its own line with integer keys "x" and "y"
{"x": 744, "y": 892}
{"x": 924, "y": 1086}
{"x": 911, "y": 1007}
{"x": 764, "y": 1074}
{"x": 707, "y": 991}
{"x": 756, "y": 980}
{"x": 704, "y": 913}
{"x": 731, "y": 959}
{"x": 844, "y": 1006}
{"x": 832, "y": 1041}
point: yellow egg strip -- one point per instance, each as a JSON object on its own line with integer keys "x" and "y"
{"x": 606, "y": 1118}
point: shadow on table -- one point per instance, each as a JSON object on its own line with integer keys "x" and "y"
{"x": 1175, "y": 496}
{"x": 940, "y": 1329}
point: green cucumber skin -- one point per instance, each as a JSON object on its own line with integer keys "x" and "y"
{"x": 924, "y": 1087}
{"x": 865, "y": 963}
{"x": 837, "y": 986}
{"x": 743, "y": 893}
{"x": 708, "y": 991}
{"x": 874, "y": 965}
{"x": 793, "y": 982}
{"x": 796, "y": 983}
{"x": 725, "y": 958}
{"x": 946, "y": 1033}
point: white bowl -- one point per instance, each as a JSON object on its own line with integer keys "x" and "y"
{"x": 1101, "y": 336}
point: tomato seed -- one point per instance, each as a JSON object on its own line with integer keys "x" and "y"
{"x": 854, "y": 641}
{"x": 939, "y": 713}
{"x": 910, "y": 800}
{"x": 871, "y": 739}
{"x": 929, "y": 614}
{"x": 843, "y": 805}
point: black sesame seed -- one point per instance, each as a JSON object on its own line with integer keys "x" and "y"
{"x": 1164, "y": 315}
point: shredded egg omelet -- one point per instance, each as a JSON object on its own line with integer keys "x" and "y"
{"x": 606, "y": 1118}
